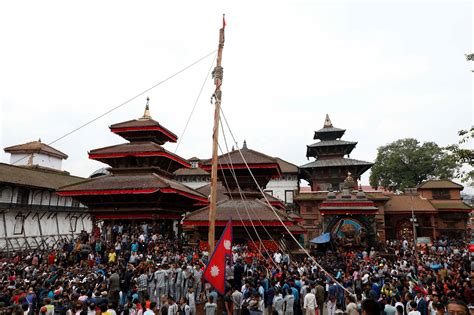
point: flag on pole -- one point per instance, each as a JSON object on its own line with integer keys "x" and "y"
{"x": 223, "y": 21}
{"x": 215, "y": 269}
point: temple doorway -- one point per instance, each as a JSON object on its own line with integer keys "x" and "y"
{"x": 405, "y": 230}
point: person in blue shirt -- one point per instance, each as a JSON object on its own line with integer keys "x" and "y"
{"x": 134, "y": 247}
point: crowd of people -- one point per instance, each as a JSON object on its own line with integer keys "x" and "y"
{"x": 137, "y": 270}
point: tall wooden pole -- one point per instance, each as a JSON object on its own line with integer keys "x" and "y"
{"x": 218, "y": 76}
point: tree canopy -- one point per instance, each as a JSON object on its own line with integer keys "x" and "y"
{"x": 407, "y": 163}
{"x": 464, "y": 156}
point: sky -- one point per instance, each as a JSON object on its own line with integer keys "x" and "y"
{"x": 383, "y": 70}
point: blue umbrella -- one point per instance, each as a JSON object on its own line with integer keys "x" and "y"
{"x": 321, "y": 239}
{"x": 436, "y": 266}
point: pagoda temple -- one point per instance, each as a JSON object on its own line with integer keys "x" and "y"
{"x": 242, "y": 200}
{"x": 140, "y": 184}
{"x": 330, "y": 167}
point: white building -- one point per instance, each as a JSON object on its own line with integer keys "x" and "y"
{"x": 36, "y": 153}
{"x": 283, "y": 188}
{"x": 32, "y": 214}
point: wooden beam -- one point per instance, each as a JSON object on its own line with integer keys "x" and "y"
{"x": 218, "y": 76}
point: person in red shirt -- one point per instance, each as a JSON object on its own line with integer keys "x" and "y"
{"x": 52, "y": 258}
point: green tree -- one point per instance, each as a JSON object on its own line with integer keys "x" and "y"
{"x": 464, "y": 156}
{"x": 407, "y": 163}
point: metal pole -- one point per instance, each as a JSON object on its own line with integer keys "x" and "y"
{"x": 414, "y": 227}
{"x": 218, "y": 75}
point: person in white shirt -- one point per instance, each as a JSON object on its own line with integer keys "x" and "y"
{"x": 172, "y": 306}
{"x": 398, "y": 302}
{"x": 210, "y": 307}
{"x": 289, "y": 302}
{"x": 150, "y": 311}
{"x": 277, "y": 257}
{"x": 278, "y": 303}
{"x": 191, "y": 300}
{"x": 237, "y": 300}
{"x": 413, "y": 310}
{"x": 160, "y": 283}
{"x": 431, "y": 306}
{"x": 309, "y": 304}
{"x": 351, "y": 308}
{"x": 184, "y": 307}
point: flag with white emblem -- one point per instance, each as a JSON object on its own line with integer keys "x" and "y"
{"x": 215, "y": 269}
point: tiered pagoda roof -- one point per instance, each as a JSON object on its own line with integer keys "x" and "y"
{"x": 141, "y": 174}
{"x": 245, "y": 206}
{"x": 331, "y": 164}
{"x": 263, "y": 167}
{"x": 242, "y": 212}
{"x": 143, "y": 129}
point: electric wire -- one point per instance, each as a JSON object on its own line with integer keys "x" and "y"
{"x": 192, "y": 110}
{"x": 245, "y": 205}
{"x": 124, "y": 103}
{"x": 242, "y": 195}
{"x": 268, "y": 202}
{"x": 195, "y": 103}
{"x": 238, "y": 212}
{"x": 248, "y": 214}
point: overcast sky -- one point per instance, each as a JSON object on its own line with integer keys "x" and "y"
{"x": 382, "y": 70}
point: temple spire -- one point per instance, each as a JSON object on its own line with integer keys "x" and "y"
{"x": 245, "y": 145}
{"x": 146, "y": 114}
{"x": 327, "y": 122}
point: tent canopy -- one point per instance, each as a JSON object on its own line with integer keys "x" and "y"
{"x": 321, "y": 239}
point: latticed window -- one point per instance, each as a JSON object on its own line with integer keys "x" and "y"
{"x": 73, "y": 224}
{"x": 19, "y": 226}
{"x": 289, "y": 196}
{"x": 441, "y": 194}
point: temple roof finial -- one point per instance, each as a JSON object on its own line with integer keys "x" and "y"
{"x": 327, "y": 122}
{"x": 146, "y": 114}
{"x": 245, "y": 145}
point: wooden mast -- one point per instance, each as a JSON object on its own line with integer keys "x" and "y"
{"x": 218, "y": 76}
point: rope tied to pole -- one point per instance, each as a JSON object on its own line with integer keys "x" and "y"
{"x": 218, "y": 75}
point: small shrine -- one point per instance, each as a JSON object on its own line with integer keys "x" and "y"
{"x": 349, "y": 216}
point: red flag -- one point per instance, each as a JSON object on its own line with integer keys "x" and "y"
{"x": 223, "y": 21}
{"x": 215, "y": 269}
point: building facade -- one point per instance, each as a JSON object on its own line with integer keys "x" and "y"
{"x": 240, "y": 199}
{"x": 33, "y": 214}
{"x": 283, "y": 188}
{"x": 435, "y": 206}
